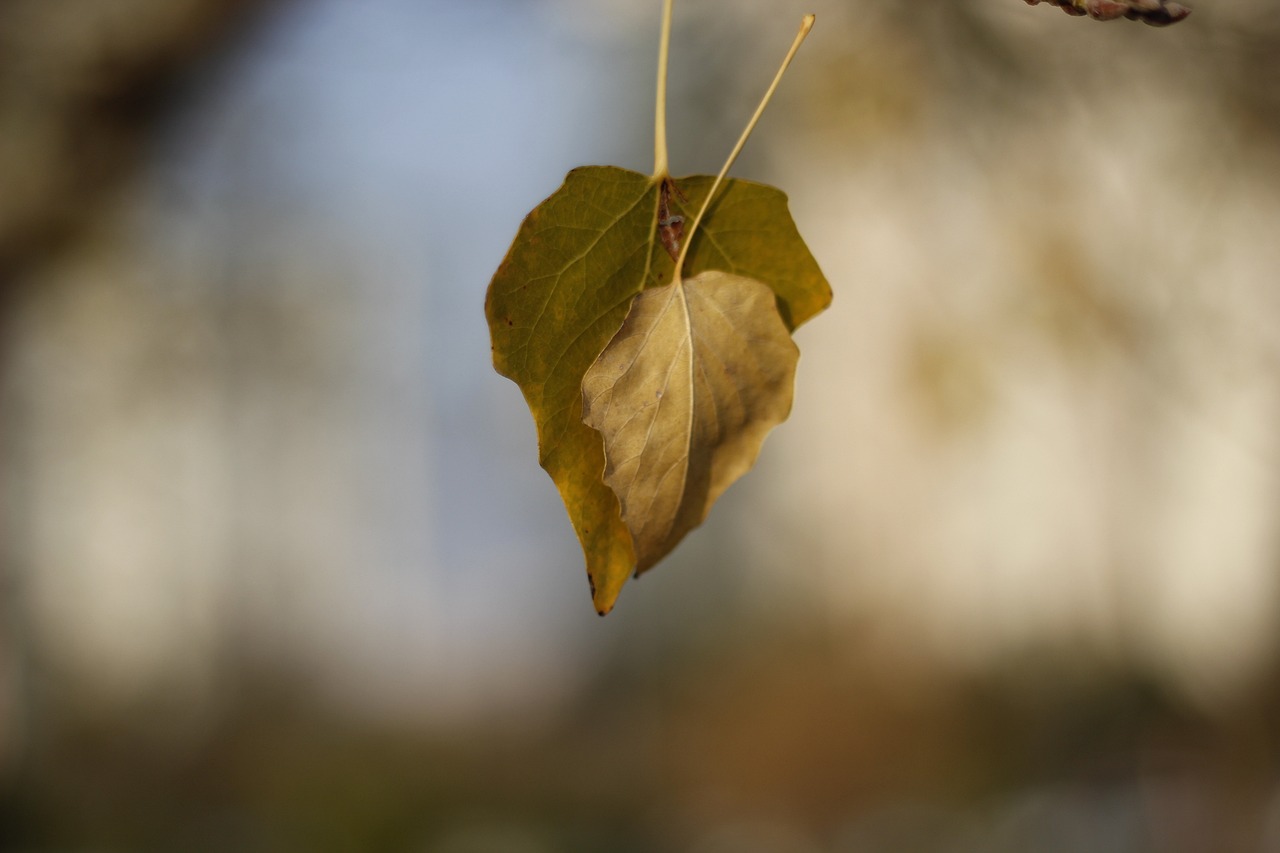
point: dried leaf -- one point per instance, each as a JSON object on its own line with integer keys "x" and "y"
{"x": 684, "y": 396}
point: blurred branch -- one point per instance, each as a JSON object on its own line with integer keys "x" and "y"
{"x": 1158, "y": 13}
{"x": 81, "y": 86}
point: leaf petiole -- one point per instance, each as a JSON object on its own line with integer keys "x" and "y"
{"x": 661, "y": 166}
{"x": 805, "y": 25}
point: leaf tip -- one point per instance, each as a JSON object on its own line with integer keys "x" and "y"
{"x": 605, "y": 596}
{"x": 602, "y": 603}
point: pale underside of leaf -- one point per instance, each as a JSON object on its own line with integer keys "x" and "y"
{"x": 684, "y": 396}
{"x": 566, "y": 285}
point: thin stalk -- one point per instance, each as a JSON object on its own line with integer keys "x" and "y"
{"x": 805, "y": 26}
{"x": 661, "y": 166}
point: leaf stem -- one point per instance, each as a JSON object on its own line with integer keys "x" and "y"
{"x": 661, "y": 166}
{"x": 805, "y": 25}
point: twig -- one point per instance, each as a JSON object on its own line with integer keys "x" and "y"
{"x": 1158, "y": 13}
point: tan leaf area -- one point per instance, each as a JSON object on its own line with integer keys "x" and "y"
{"x": 684, "y": 396}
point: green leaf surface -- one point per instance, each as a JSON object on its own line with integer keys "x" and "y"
{"x": 565, "y": 287}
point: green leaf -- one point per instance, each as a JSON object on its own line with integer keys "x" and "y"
{"x": 684, "y": 396}
{"x": 565, "y": 287}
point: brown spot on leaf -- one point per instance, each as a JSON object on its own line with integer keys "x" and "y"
{"x": 670, "y": 227}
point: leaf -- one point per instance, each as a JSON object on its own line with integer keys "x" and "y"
{"x": 683, "y": 396}
{"x": 563, "y": 291}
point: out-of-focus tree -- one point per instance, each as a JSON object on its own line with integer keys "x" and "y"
{"x": 81, "y": 84}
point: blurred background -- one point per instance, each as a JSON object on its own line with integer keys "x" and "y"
{"x": 280, "y": 570}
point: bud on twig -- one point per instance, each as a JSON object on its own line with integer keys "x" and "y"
{"x": 1158, "y": 13}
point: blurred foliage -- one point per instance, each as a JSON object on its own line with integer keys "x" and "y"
{"x": 785, "y": 733}
{"x": 82, "y": 82}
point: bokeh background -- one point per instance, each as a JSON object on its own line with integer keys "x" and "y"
{"x": 280, "y": 570}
